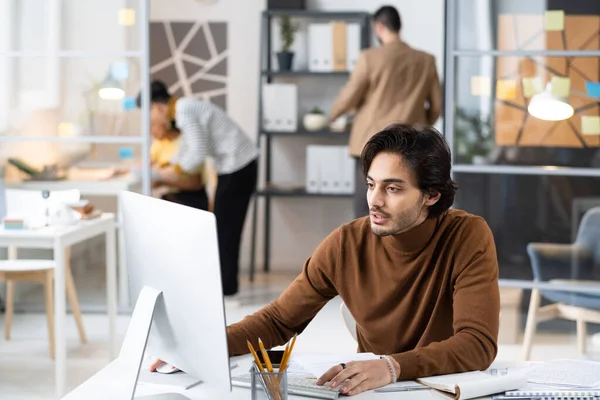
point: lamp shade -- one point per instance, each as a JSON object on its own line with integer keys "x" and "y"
{"x": 549, "y": 107}
{"x": 111, "y": 89}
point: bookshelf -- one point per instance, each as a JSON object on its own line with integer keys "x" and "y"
{"x": 269, "y": 73}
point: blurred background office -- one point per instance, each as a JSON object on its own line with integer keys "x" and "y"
{"x": 520, "y": 112}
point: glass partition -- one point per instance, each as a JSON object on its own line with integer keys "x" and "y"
{"x": 70, "y": 72}
{"x": 515, "y": 67}
{"x": 522, "y": 117}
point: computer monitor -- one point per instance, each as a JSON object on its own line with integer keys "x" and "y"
{"x": 174, "y": 249}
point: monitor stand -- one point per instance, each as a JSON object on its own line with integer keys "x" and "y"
{"x": 119, "y": 379}
{"x": 132, "y": 352}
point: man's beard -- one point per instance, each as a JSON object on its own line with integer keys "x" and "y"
{"x": 398, "y": 223}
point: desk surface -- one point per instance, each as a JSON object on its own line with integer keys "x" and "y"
{"x": 87, "y": 187}
{"x": 48, "y": 232}
{"x": 97, "y": 387}
{"x": 48, "y": 237}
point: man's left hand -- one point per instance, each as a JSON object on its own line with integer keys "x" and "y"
{"x": 358, "y": 376}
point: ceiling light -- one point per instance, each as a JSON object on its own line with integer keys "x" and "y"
{"x": 549, "y": 107}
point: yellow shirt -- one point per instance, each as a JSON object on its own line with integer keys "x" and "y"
{"x": 162, "y": 152}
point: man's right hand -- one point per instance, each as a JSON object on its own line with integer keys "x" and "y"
{"x": 155, "y": 365}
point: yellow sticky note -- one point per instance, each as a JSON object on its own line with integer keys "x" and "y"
{"x": 561, "y": 86}
{"x": 590, "y": 125}
{"x": 127, "y": 16}
{"x": 532, "y": 86}
{"x": 481, "y": 85}
{"x": 555, "y": 20}
{"x": 65, "y": 129}
{"x": 506, "y": 89}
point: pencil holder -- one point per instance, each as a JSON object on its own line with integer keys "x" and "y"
{"x": 268, "y": 385}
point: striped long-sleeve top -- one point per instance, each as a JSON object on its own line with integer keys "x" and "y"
{"x": 207, "y": 131}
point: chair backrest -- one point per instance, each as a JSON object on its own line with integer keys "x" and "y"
{"x": 348, "y": 320}
{"x": 588, "y": 234}
{"x": 31, "y": 205}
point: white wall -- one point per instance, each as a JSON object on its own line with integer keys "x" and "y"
{"x": 243, "y": 19}
{"x": 298, "y": 225}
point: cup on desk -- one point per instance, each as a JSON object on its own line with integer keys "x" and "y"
{"x": 268, "y": 385}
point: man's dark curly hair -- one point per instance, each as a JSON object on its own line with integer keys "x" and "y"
{"x": 427, "y": 154}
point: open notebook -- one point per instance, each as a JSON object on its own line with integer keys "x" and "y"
{"x": 469, "y": 385}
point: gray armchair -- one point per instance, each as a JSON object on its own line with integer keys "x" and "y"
{"x": 566, "y": 264}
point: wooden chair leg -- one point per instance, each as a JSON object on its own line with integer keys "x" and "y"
{"x": 10, "y": 307}
{"x": 530, "y": 327}
{"x": 49, "y": 299}
{"x": 581, "y": 336}
{"x": 73, "y": 299}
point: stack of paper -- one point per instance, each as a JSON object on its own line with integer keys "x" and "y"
{"x": 567, "y": 373}
{"x": 562, "y": 378}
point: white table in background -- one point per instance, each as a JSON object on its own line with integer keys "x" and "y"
{"x": 59, "y": 239}
{"x": 101, "y": 188}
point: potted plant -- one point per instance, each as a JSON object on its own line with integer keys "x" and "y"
{"x": 287, "y": 30}
{"x": 474, "y": 137}
{"x": 315, "y": 120}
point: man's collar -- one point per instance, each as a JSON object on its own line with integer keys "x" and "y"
{"x": 413, "y": 240}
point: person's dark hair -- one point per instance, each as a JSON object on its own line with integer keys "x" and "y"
{"x": 389, "y": 17}
{"x": 426, "y": 153}
{"x": 159, "y": 93}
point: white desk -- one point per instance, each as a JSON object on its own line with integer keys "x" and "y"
{"x": 59, "y": 239}
{"x": 97, "y": 387}
{"x": 107, "y": 187}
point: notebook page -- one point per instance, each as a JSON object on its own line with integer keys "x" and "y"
{"x": 497, "y": 384}
{"x": 449, "y": 381}
{"x": 475, "y": 384}
{"x": 567, "y": 373}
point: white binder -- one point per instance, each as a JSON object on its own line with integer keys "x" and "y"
{"x": 353, "y": 44}
{"x": 280, "y": 107}
{"x": 348, "y": 170}
{"x": 329, "y": 169}
{"x": 335, "y": 168}
{"x": 320, "y": 47}
{"x": 313, "y": 168}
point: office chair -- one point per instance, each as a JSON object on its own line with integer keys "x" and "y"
{"x": 348, "y": 320}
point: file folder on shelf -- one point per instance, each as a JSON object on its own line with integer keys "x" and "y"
{"x": 340, "y": 46}
{"x": 329, "y": 170}
{"x": 352, "y": 45}
{"x": 320, "y": 47}
{"x": 280, "y": 107}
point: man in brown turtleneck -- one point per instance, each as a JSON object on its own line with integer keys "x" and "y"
{"x": 420, "y": 280}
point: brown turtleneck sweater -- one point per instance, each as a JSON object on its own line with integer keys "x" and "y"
{"x": 428, "y": 297}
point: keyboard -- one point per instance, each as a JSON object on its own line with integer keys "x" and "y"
{"x": 297, "y": 386}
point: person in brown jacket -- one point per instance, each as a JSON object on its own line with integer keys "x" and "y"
{"x": 392, "y": 83}
{"x": 419, "y": 278}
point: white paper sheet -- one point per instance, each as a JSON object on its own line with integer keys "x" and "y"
{"x": 567, "y": 373}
